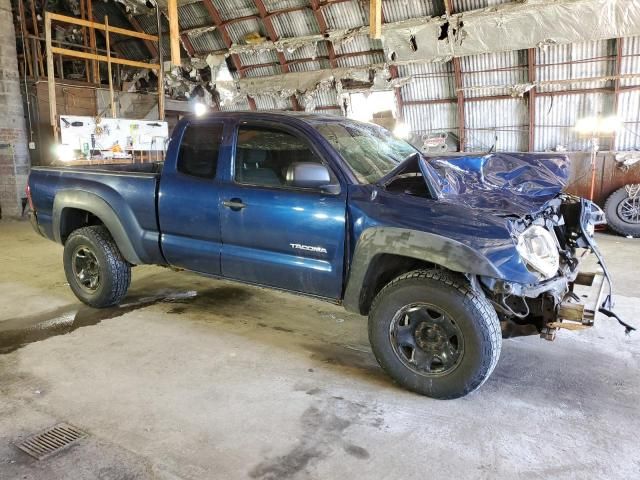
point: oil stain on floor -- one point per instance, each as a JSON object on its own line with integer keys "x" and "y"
{"x": 18, "y": 332}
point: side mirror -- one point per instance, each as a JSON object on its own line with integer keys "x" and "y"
{"x": 311, "y": 175}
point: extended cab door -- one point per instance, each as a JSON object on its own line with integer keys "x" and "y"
{"x": 189, "y": 196}
{"x": 275, "y": 234}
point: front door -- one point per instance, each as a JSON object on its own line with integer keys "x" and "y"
{"x": 273, "y": 233}
{"x": 189, "y": 196}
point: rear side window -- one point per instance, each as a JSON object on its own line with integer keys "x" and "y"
{"x": 199, "y": 150}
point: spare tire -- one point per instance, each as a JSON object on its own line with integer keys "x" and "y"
{"x": 623, "y": 212}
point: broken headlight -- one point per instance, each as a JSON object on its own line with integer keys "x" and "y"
{"x": 538, "y": 249}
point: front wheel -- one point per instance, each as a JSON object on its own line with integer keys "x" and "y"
{"x": 96, "y": 270}
{"x": 434, "y": 335}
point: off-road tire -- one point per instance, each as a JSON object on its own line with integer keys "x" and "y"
{"x": 614, "y": 221}
{"x": 473, "y": 314}
{"x": 115, "y": 271}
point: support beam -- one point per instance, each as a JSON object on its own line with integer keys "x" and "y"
{"x": 95, "y": 69}
{"x": 322, "y": 24}
{"x": 616, "y": 85}
{"x": 174, "y": 31}
{"x": 151, "y": 46}
{"x": 531, "y": 97}
{"x": 457, "y": 76}
{"x": 375, "y": 18}
{"x": 112, "y": 100}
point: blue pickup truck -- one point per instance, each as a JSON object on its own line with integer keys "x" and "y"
{"x": 442, "y": 254}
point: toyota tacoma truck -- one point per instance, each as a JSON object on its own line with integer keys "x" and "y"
{"x": 442, "y": 254}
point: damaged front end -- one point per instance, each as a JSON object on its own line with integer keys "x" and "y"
{"x": 552, "y": 232}
{"x": 552, "y": 243}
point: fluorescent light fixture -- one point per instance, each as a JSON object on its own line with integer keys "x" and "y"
{"x": 402, "y": 130}
{"x": 200, "y": 109}
{"x": 598, "y": 125}
{"x": 610, "y": 124}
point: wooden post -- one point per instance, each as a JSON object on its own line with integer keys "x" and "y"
{"x": 51, "y": 80}
{"x": 174, "y": 31}
{"x": 36, "y": 32}
{"x": 26, "y": 47}
{"x": 531, "y": 62}
{"x": 161, "y": 68}
{"x": 375, "y": 19}
{"x": 83, "y": 16}
{"x": 111, "y": 97}
{"x": 92, "y": 43}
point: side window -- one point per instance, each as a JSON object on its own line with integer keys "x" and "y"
{"x": 199, "y": 150}
{"x": 264, "y": 154}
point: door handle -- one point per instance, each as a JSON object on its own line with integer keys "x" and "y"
{"x": 234, "y": 204}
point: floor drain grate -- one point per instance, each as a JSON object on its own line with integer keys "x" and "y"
{"x": 51, "y": 441}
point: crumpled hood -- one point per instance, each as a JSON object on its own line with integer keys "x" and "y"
{"x": 502, "y": 183}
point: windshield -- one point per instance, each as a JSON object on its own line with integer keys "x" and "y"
{"x": 370, "y": 151}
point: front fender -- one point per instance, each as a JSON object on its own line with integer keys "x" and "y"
{"x": 425, "y": 246}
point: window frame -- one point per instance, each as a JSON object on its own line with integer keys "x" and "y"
{"x": 204, "y": 124}
{"x": 293, "y": 132}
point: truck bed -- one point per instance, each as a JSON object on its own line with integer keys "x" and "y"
{"x": 128, "y": 189}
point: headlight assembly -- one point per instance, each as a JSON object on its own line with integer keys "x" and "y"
{"x": 538, "y": 249}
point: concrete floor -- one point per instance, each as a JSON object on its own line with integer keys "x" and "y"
{"x": 195, "y": 378}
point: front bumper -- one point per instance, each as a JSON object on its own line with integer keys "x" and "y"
{"x": 579, "y": 308}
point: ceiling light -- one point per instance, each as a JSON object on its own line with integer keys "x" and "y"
{"x": 200, "y": 109}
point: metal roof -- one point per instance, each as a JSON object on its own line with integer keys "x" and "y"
{"x": 428, "y": 99}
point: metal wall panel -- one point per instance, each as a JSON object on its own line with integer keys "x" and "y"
{"x": 397, "y": 10}
{"x": 432, "y": 81}
{"x": 630, "y": 62}
{"x": 295, "y": 24}
{"x": 499, "y": 123}
{"x": 229, "y": 9}
{"x": 238, "y": 30}
{"x": 431, "y": 118}
{"x": 504, "y": 68}
{"x": 275, "y": 5}
{"x": 269, "y": 102}
{"x": 589, "y": 59}
{"x": 149, "y": 25}
{"x": 309, "y": 66}
{"x": 466, "y": 5}
{"x": 361, "y": 60}
{"x": 308, "y": 51}
{"x": 264, "y": 71}
{"x": 556, "y": 117}
{"x": 193, "y": 15}
{"x": 327, "y": 98}
{"x": 210, "y": 41}
{"x": 360, "y": 43}
{"x": 345, "y": 15}
{"x": 258, "y": 58}
{"x": 629, "y": 112}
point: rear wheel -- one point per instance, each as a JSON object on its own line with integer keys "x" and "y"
{"x": 434, "y": 335}
{"x": 95, "y": 269}
{"x": 623, "y": 212}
